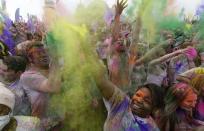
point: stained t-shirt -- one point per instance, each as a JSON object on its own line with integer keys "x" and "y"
{"x": 31, "y": 81}
{"x": 22, "y": 104}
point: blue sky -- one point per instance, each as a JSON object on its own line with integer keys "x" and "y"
{"x": 35, "y": 6}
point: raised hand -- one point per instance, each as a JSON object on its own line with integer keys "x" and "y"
{"x": 132, "y": 59}
{"x": 120, "y": 6}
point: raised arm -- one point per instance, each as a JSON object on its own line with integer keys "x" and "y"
{"x": 183, "y": 79}
{"x": 120, "y": 6}
{"x": 105, "y": 86}
{"x": 39, "y": 82}
{"x": 153, "y": 53}
{"x": 166, "y": 57}
{"x": 53, "y": 83}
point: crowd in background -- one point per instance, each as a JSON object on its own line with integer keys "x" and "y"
{"x": 144, "y": 87}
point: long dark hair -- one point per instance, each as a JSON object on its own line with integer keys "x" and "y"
{"x": 174, "y": 96}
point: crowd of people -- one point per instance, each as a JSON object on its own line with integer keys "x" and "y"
{"x": 144, "y": 88}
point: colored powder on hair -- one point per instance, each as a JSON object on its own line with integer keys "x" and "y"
{"x": 78, "y": 86}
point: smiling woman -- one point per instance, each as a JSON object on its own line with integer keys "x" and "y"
{"x": 179, "y": 103}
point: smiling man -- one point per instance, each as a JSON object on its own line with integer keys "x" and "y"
{"x": 130, "y": 113}
{"x": 127, "y": 114}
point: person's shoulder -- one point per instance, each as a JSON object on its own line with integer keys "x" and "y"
{"x": 28, "y": 74}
